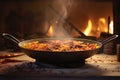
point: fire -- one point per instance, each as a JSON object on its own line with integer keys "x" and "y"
{"x": 102, "y": 20}
{"x": 89, "y": 28}
{"x": 111, "y": 27}
{"x": 50, "y": 31}
{"x": 103, "y": 26}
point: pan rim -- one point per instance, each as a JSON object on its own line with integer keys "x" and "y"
{"x": 80, "y": 39}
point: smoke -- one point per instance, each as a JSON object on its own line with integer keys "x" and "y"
{"x": 57, "y": 12}
{"x": 63, "y": 6}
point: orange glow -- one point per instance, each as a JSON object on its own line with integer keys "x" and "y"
{"x": 50, "y": 31}
{"x": 89, "y": 28}
{"x": 103, "y": 25}
{"x": 111, "y": 27}
{"x": 95, "y": 30}
{"x": 102, "y": 20}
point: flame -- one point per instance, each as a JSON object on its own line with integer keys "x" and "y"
{"x": 50, "y": 31}
{"x": 89, "y": 28}
{"x": 111, "y": 27}
{"x": 102, "y": 20}
{"x": 103, "y": 25}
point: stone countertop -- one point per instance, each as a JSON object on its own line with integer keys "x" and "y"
{"x": 97, "y": 65}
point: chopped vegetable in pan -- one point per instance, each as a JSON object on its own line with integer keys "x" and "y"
{"x": 60, "y": 45}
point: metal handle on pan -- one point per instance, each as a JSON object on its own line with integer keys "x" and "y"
{"x": 109, "y": 39}
{"x": 10, "y": 37}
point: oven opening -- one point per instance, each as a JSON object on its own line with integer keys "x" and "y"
{"x": 81, "y": 18}
{"x": 93, "y": 19}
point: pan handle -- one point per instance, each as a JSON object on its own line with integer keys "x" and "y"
{"x": 10, "y": 37}
{"x": 109, "y": 39}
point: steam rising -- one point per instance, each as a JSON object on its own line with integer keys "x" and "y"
{"x": 57, "y": 12}
{"x": 63, "y": 7}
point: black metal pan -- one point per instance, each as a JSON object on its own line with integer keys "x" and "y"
{"x": 59, "y": 57}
